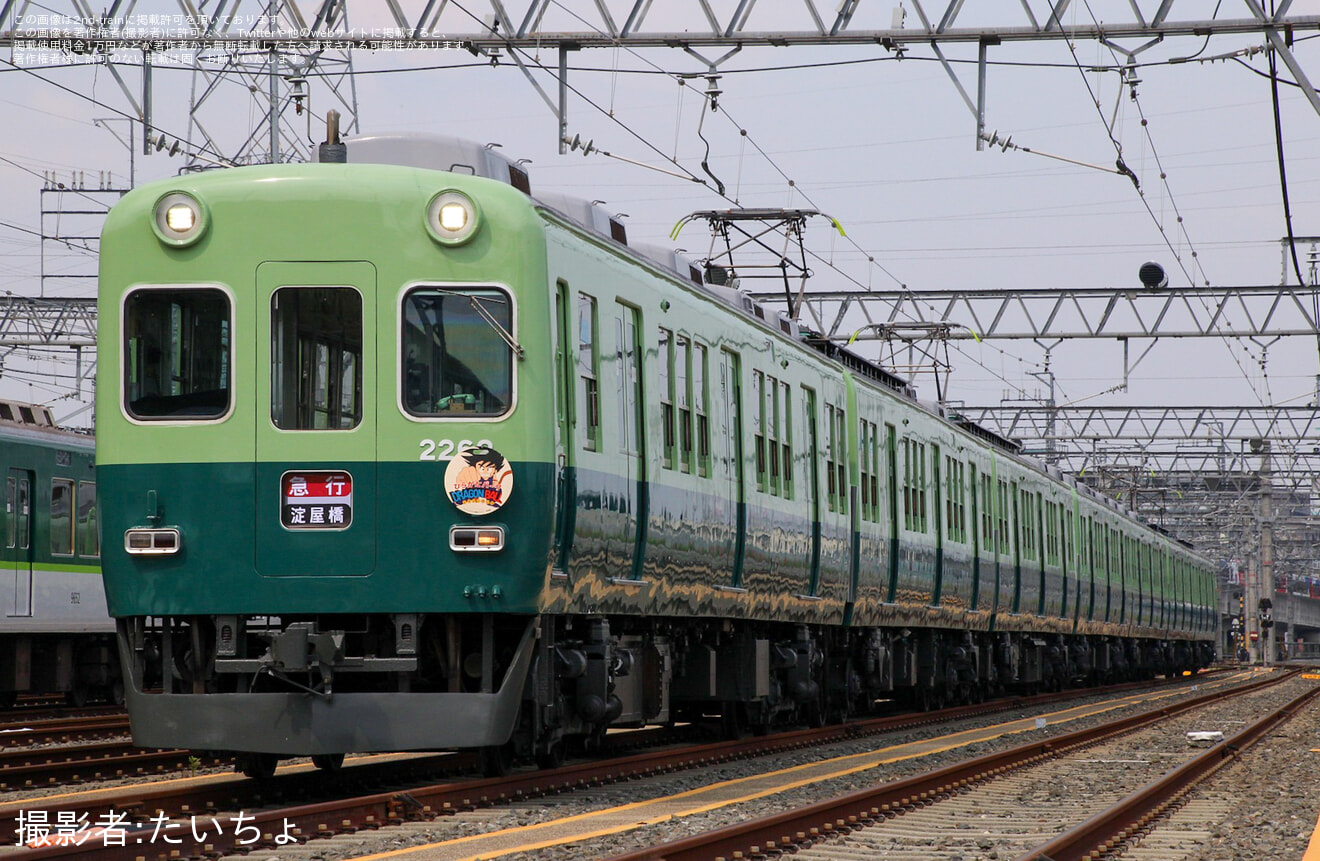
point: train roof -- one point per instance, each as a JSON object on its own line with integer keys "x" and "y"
{"x": 36, "y": 423}
{"x": 458, "y": 155}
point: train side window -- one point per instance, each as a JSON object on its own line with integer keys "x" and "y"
{"x": 831, "y": 490}
{"x": 785, "y": 414}
{"x": 458, "y": 352}
{"x": 1005, "y": 549}
{"x": 758, "y": 429}
{"x": 176, "y": 354}
{"x": 24, "y": 514}
{"x": 841, "y": 458}
{"x": 1027, "y": 518}
{"x": 61, "y": 516}
{"x": 11, "y": 513}
{"x": 955, "y": 499}
{"x": 588, "y": 362}
{"x": 987, "y": 512}
{"x": 683, "y": 392}
{"x": 628, "y": 362}
{"x": 869, "y": 463}
{"x": 89, "y": 527}
{"x": 915, "y": 517}
{"x": 665, "y": 368}
{"x": 772, "y": 434}
{"x": 701, "y": 394}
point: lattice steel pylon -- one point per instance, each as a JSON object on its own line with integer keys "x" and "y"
{"x": 292, "y": 85}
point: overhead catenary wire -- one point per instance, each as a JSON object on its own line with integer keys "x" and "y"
{"x": 743, "y": 134}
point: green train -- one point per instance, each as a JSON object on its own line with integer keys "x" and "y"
{"x": 405, "y": 458}
{"x": 55, "y": 635}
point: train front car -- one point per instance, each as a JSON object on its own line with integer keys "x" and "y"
{"x": 325, "y": 452}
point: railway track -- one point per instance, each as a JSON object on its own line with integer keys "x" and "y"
{"x": 205, "y": 814}
{"x": 81, "y": 763}
{"x": 64, "y": 730}
{"x": 1015, "y": 798}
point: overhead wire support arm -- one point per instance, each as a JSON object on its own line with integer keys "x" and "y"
{"x": 731, "y": 226}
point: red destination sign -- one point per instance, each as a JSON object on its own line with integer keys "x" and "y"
{"x": 316, "y": 500}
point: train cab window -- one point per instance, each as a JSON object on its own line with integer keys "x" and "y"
{"x": 177, "y": 354}
{"x": 61, "y": 517}
{"x": 316, "y": 358}
{"x": 89, "y": 529}
{"x": 457, "y": 352}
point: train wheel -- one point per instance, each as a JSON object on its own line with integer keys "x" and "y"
{"x": 258, "y": 766}
{"x": 328, "y": 762}
{"x": 497, "y": 760}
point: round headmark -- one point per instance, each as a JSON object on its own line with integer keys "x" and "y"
{"x": 478, "y": 480}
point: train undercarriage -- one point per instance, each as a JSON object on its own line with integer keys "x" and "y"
{"x": 534, "y": 688}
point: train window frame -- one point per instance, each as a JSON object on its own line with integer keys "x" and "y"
{"x": 71, "y": 516}
{"x": 11, "y": 513}
{"x": 87, "y": 521}
{"x": 587, "y": 369}
{"x": 400, "y": 357}
{"x": 683, "y": 391}
{"x": 664, "y": 368}
{"x": 329, "y": 355}
{"x": 701, "y": 407}
{"x": 125, "y": 354}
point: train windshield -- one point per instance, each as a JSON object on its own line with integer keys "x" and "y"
{"x": 457, "y": 352}
{"x": 176, "y": 354}
{"x": 316, "y": 353}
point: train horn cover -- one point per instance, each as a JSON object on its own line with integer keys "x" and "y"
{"x": 180, "y": 219}
{"x": 452, "y": 217}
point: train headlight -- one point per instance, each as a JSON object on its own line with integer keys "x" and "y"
{"x": 152, "y": 542}
{"x": 476, "y": 539}
{"x": 452, "y": 217}
{"x": 180, "y": 219}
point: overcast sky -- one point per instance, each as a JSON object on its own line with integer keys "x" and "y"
{"x": 885, "y": 146}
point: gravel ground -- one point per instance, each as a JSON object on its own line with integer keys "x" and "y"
{"x": 1270, "y": 790}
{"x": 1270, "y": 810}
{"x": 602, "y": 797}
{"x": 1261, "y": 826}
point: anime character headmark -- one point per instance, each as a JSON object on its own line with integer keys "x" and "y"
{"x": 479, "y": 480}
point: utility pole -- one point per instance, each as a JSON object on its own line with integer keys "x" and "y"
{"x": 1260, "y": 569}
{"x": 1266, "y": 555}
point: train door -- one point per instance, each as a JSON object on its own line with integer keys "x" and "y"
{"x": 567, "y": 362}
{"x": 1015, "y": 536}
{"x": 891, "y": 483}
{"x": 632, "y": 432}
{"x": 316, "y": 494}
{"x": 974, "y": 532}
{"x": 732, "y": 456}
{"x": 937, "y": 522}
{"x": 18, "y": 538}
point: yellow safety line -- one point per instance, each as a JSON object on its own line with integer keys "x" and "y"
{"x": 143, "y": 780}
